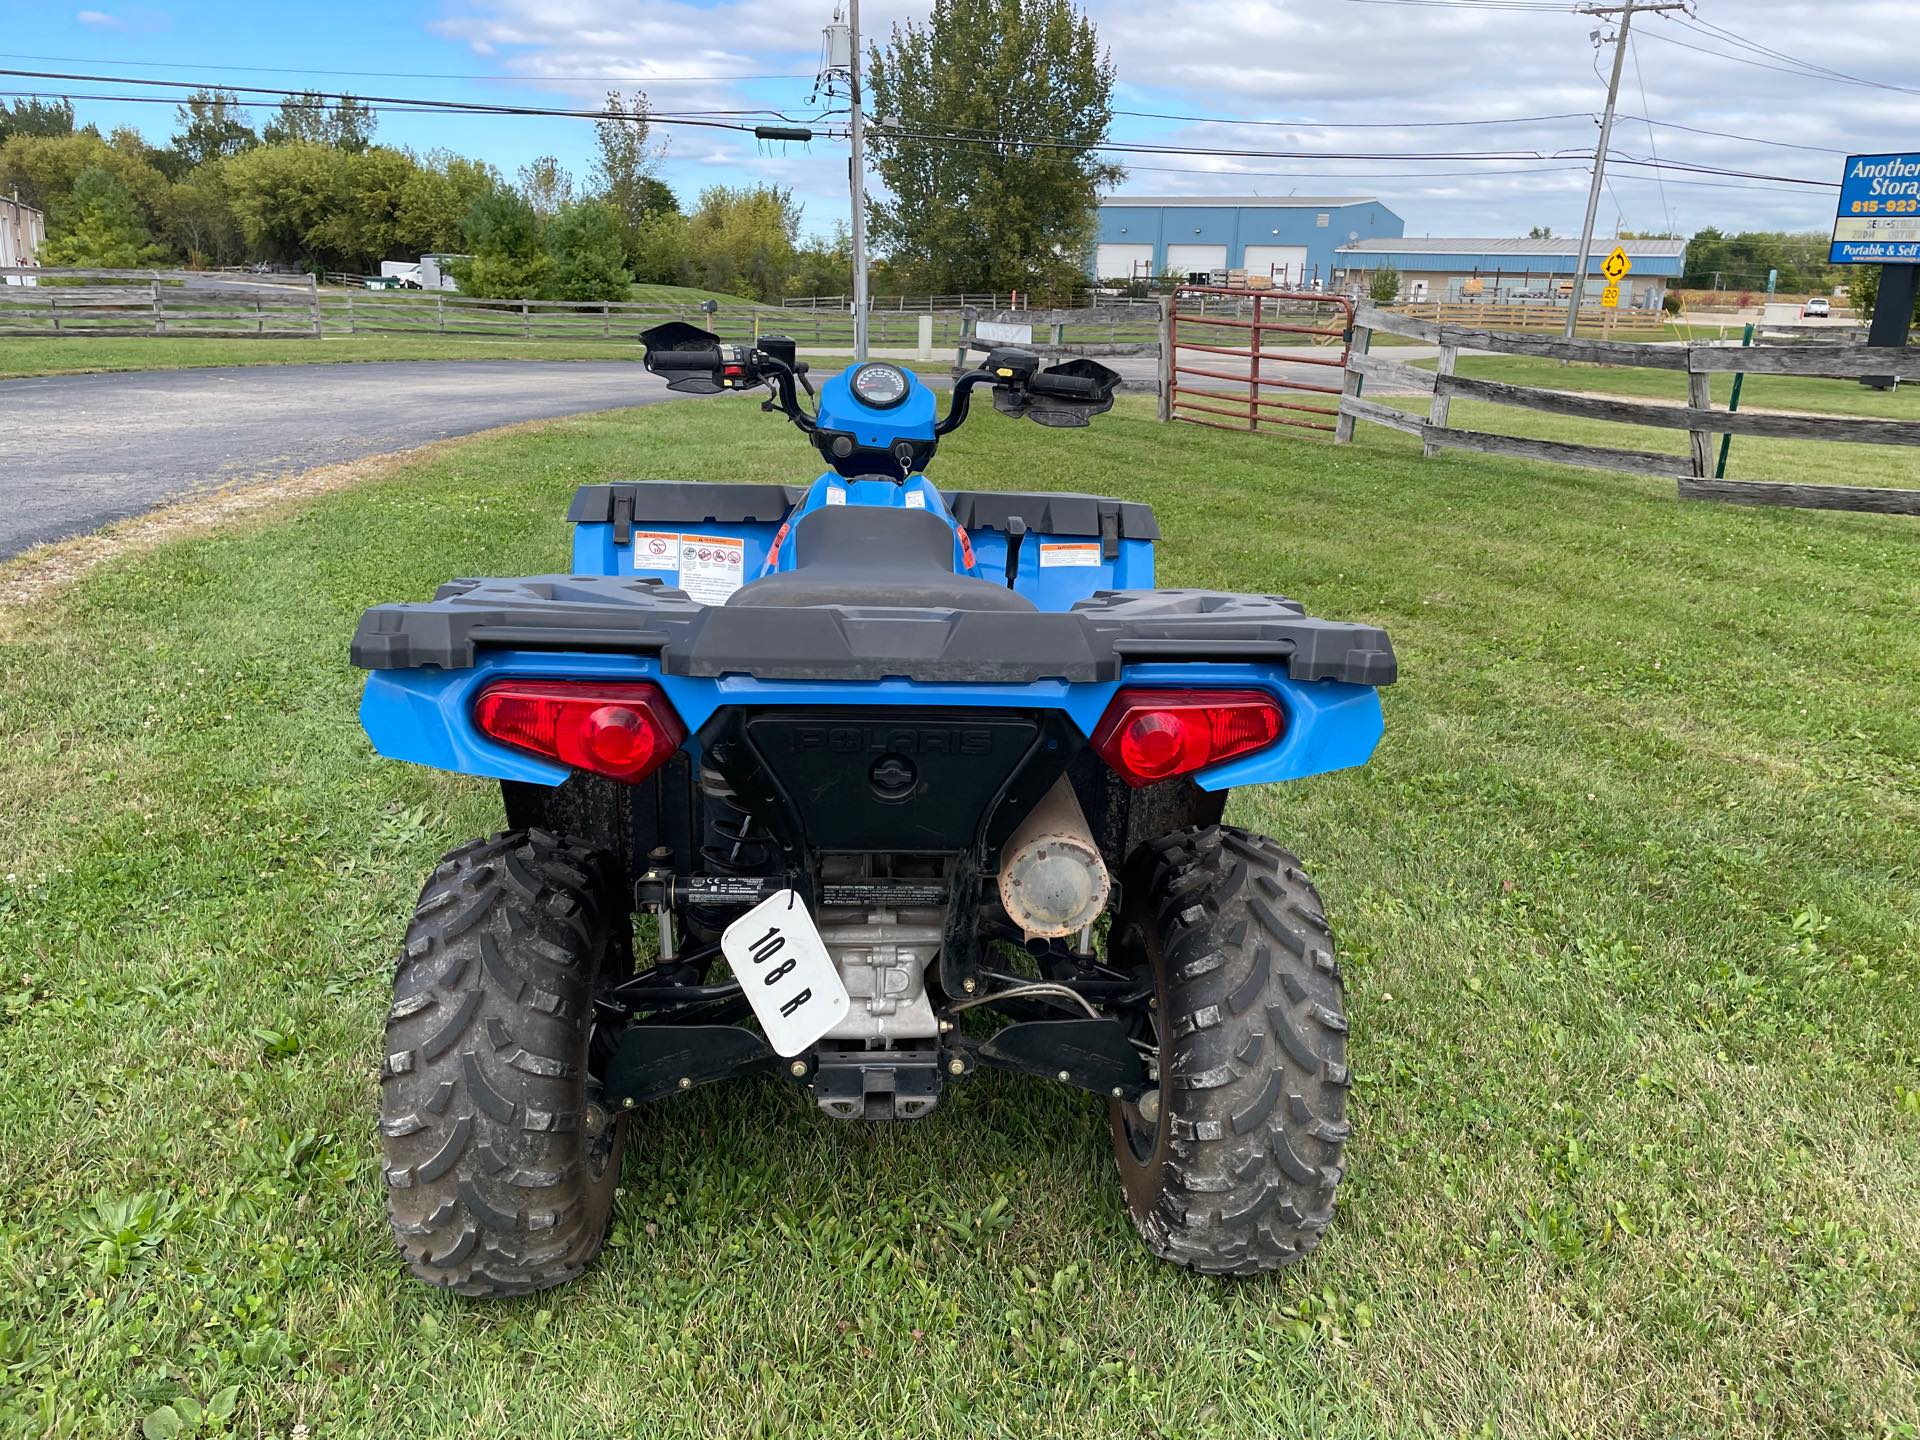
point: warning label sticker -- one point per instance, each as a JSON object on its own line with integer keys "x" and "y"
{"x": 1088, "y": 554}
{"x": 914, "y": 500}
{"x": 655, "y": 550}
{"x": 711, "y": 567}
{"x": 836, "y": 496}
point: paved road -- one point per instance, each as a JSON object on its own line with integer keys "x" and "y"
{"x": 79, "y": 451}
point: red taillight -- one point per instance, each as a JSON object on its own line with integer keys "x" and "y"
{"x": 622, "y": 730}
{"x": 1153, "y": 735}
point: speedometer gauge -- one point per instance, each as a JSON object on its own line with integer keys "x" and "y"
{"x": 881, "y": 386}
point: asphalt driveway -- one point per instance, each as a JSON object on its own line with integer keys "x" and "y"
{"x": 80, "y": 451}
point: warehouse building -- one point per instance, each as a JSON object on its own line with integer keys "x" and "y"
{"x": 22, "y": 229}
{"x": 1288, "y": 240}
{"x": 1511, "y": 272}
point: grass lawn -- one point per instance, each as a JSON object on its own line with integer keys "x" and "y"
{"x": 1631, "y": 928}
{"x": 1760, "y": 392}
{"x": 19, "y": 358}
{"x": 22, "y": 358}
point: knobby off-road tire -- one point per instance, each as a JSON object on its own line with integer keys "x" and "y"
{"x": 501, "y": 1160}
{"x": 1236, "y": 1173}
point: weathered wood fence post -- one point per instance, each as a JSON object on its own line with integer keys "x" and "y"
{"x": 1353, "y": 382}
{"x": 1442, "y": 397}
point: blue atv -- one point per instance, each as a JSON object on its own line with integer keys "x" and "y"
{"x": 899, "y": 785}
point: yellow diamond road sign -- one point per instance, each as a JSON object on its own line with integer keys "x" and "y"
{"x": 1616, "y": 265}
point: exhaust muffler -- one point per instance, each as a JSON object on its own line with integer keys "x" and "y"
{"x": 1053, "y": 882}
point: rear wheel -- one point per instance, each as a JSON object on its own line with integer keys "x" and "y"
{"x": 501, "y": 1158}
{"x": 1230, "y": 1167}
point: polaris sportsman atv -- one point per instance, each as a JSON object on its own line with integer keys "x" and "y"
{"x": 906, "y": 784}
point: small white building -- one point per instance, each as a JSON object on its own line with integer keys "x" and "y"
{"x": 23, "y": 230}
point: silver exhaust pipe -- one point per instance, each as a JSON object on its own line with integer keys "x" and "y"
{"x": 1053, "y": 882}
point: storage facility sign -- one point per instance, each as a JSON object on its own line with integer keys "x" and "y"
{"x": 1879, "y": 220}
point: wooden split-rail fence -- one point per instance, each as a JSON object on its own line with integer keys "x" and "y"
{"x": 1698, "y": 417}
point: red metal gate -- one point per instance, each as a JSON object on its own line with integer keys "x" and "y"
{"x": 1205, "y": 319}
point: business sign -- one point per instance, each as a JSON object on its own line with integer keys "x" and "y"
{"x": 1001, "y": 333}
{"x": 1879, "y": 221}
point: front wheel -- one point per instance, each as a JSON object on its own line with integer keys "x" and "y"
{"x": 1230, "y": 1166}
{"x": 501, "y": 1159}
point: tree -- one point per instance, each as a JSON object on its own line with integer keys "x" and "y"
{"x": 212, "y": 127}
{"x": 284, "y": 198}
{"x": 547, "y": 186}
{"x": 197, "y": 219}
{"x": 508, "y": 244}
{"x": 823, "y": 267}
{"x": 1717, "y": 260}
{"x": 1001, "y": 211}
{"x": 439, "y": 193}
{"x": 742, "y": 241}
{"x": 662, "y": 250}
{"x": 1540, "y": 232}
{"x": 588, "y": 244}
{"x": 36, "y": 117}
{"x": 44, "y": 168}
{"x": 1383, "y": 285}
{"x": 623, "y": 173}
{"x": 1863, "y": 292}
{"x": 98, "y": 225}
{"x": 310, "y": 117}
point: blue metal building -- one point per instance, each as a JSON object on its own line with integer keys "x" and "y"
{"x": 1290, "y": 239}
{"x": 1510, "y": 270}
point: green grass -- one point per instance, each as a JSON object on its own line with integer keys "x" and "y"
{"x": 19, "y": 358}
{"x": 1795, "y": 461}
{"x": 23, "y": 358}
{"x": 691, "y": 295}
{"x": 1776, "y": 392}
{"x": 1627, "y": 902}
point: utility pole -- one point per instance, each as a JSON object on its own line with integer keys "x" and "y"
{"x": 1626, "y": 10}
{"x": 857, "y": 166}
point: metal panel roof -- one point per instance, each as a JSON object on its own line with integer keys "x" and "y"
{"x": 1243, "y": 202}
{"x": 1560, "y": 248}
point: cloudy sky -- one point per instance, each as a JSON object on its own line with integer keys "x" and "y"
{"x": 1789, "y": 85}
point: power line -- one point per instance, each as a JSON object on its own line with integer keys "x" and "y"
{"x": 1447, "y": 124}
{"x": 1355, "y": 124}
{"x": 707, "y": 120}
{"x": 1473, "y": 4}
{"x": 1487, "y": 156}
{"x": 1717, "y": 32}
{"x": 1652, "y": 141}
{"x": 1803, "y": 73}
{"x": 382, "y": 74}
{"x": 396, "y": 102}
{"x": 1731, "y": 135}
{"x": 412, "y": 107}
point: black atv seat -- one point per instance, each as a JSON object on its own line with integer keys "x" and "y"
{"x": 863, "y": 555}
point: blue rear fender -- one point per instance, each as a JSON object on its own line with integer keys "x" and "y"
{"x": 425, "y": 716}
{"x": 1054, "y": 571}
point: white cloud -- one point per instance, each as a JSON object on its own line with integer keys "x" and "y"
{"x": 136, "y": 21}
{"x": 1377, "y": 67}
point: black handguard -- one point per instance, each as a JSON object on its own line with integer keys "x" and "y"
{"x": 1062, "y": 396}
{"x": 686, "y": 354}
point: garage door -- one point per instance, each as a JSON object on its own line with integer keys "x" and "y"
{"x": 1183, "y": 260}
{"x": 1286, "y": 263}
{"x": 1123, "y": 262}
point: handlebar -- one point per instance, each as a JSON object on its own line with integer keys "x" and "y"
{"x": 708, "y": 359}
{"x": 1064, "y": 387}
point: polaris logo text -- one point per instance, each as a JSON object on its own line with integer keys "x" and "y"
{"x": 900, "y": 740}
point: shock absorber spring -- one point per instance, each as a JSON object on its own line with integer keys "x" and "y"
{"x": 732, "y": 842}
